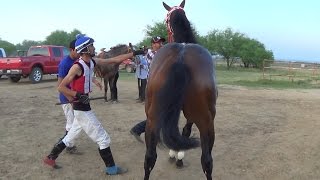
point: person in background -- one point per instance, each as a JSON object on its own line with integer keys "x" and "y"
{"x": 156, "y": 43}
{"x": 64, "y": 67}
{"x": 142, "y": 72}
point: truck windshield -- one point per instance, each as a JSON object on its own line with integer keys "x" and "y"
{"x": 38, "y": 51}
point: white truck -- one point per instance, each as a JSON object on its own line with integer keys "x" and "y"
{"x": 2, "y": 53}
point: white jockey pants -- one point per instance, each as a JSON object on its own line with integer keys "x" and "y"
{"x": 68, "y": 112}
{"x": 87, "y": 121}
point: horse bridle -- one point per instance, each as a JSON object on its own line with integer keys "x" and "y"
{"x": 169, "y": 28}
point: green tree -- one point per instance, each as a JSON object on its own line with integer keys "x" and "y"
{"x": 225, "y": 43}
{"x": 160, "y": 29}
{"x": 253, "y": 52}
{"x": 8, "y": 47}
{"x": 157, "y": 29}
{"x": 234, "y": 45}
{"x": 25, "y": 45}
{"x": 61, "y": 38}
{"x": 72, "y": 35}
{"x": 58, "y": 37}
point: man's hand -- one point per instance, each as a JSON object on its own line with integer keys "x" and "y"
{"x": 83, "y": 98}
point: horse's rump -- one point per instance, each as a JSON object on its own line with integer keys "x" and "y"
{"x": 174, "y": 68}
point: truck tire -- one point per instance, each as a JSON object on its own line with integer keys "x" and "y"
{"x": 15, "y": 79}
{"x": 36, "y": 75}
{"x": 129, "y": 69}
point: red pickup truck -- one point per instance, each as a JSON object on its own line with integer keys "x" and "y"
{"x": 39, "y": 60}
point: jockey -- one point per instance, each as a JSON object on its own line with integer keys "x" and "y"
{"x": 81, "y": 78}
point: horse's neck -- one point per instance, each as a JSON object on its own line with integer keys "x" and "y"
{"x": 184, "y": 37}
{"x": 183, "y": 34}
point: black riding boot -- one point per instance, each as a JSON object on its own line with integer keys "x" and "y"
{"x": 139, "y": 128}
{"x": 107, "y": 158}
{"x": 57, "y": 149}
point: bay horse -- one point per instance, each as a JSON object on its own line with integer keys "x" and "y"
{"x": 182, "y": 77}
{"x": 110, "y": 72}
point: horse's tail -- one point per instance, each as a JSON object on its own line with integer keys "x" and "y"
{"x": 171, "y": 97}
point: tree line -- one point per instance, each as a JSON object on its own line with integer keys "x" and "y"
{"x": 232, "y": 46}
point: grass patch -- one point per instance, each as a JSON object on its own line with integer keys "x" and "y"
{"x": 126, "y": 76}
{"x": 250, "y": 77}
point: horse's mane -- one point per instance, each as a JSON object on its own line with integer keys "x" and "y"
{"x": 117, "y": 50}
{"x": 181, "y": 27}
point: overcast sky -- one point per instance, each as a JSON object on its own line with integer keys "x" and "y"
{"x": 290, "y": 28}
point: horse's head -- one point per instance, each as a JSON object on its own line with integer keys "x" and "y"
{"x": 178, "y": 26}
{"x": 118, "y": 50}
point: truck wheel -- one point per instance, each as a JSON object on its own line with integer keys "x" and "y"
{"x": 129, "y": 69}
{"x": 36, "y": 75}
{"x": 15, "y": 79}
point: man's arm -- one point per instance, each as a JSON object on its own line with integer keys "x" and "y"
{"x": 62, "y": 87}
{"x": 117, "y": 59}
{"x": 97, "y": 83}
{"x": 59, "y": 81}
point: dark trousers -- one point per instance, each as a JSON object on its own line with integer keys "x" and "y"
{"x": 142, "y": 84}
{"x": 140, "y": 127}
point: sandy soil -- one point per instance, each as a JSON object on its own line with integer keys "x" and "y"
{"x": 260, "y": 134}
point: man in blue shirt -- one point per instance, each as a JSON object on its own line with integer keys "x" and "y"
{"x": 64, "y": 67}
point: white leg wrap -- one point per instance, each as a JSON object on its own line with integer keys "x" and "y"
{"x": 172, "y": 153}
{"x": 180, "y": 155}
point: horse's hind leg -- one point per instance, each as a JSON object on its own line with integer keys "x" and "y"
{"x": 207, "y": 136}
{"x": 151, "y": 153}
{"x": 180, "y": 155}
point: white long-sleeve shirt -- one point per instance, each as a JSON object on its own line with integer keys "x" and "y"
{"x": 142, "y": 69}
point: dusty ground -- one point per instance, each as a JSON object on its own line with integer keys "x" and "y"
{"x": 260, "y": 134}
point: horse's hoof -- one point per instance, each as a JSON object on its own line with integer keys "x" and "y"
{"x": 172, "y": 160}
{"x": 179, "y": 164}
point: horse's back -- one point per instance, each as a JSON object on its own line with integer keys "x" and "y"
{"x": 195, "y": 57}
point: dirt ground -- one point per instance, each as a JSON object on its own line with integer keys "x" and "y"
{"x": 260, "y": 134}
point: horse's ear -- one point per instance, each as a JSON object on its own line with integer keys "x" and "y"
{"x": 182, "y": 4}
{"x": 168, "y": 8}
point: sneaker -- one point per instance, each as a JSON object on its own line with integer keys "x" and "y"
{"x": 50, "y": 162}
{"x": 115, "y": 170}
{"x": 136, "y": 135}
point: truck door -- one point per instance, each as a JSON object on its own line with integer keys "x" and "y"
{"x": 56, "y": 58}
